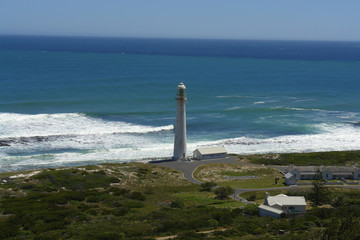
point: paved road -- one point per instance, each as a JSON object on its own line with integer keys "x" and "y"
{"x": 188, "y": 167}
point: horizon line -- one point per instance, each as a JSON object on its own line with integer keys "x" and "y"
{"x": 174, "y": 38}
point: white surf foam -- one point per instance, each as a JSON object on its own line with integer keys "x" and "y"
{"x": 108, "y": 147}
{"x": 23, "y": 125}
{"x": 331, "y": 137}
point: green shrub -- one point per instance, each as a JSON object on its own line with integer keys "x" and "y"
{"x": 259, "y": 231}
{"x": 136, "y": 196}
{"x": 57, "y": 199}
{"x": 114, "y": 180}
{"x": 251, "y": 209}
{"x": 92, "y": 212}
{"x": 63, "y": 197}
{"x": 237, "y": 211}
{"x": 119, "y": 191}
{"x": 207, "y": 186}
{"x": 149, "y": 191}
{"x": 101, "y": 172}
{"x": 28, "y": 186}
{"x": 74, "y": 195}
{"x": 93, "y": 199}
{"x": 224, "y": 217}
{"x": 109, "y": 236}
{"x": 177, "y": 204}
{"x": 133, "y": 204}
{"x": 120, "y": 211}
{"x": 252, "y": 197}
{"x": 142, "y": 171}
{"x": 223, "y": 192}
{"x": 9, "y": 228}
{"x": 53, "y": 234}
{"x": 84, "y": 207}
{"x": 213, "y": 223}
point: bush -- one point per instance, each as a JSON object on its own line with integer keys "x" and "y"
{"x": 92, "y": 212}
{"x": 251, "y": 209}
{"x": 252, "y": 197}
{"x": 177, "y": 204}
{"x": 136, "y": 196}
{"x": 223, "y": 192}
{"x": 109, "y": 236}
{"x": 93, "y": 199}
{"x": 28, "y": 186}
{"x": 207, "y": 186}
{"x": 134, "y": 204}
{"x": 142, "y": 171}
{"x": 120, "y": 211}
{"x": 213, "y": 223}
{"x": 9, "y": 228}
{"x": 114, "y": 180}
{"x": 259, "y": 231}
{"x": 119, "y": 191}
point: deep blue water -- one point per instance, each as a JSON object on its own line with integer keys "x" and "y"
{"x": 66, "y": 101}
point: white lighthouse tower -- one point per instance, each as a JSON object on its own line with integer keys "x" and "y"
{"x": 180, "y": 126}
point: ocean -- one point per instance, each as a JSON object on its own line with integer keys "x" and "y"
{"x": 68, "y": 101}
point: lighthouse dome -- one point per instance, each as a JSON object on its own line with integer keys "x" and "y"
{"x": 181, "y": 86}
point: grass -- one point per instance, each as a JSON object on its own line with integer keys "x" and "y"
{"x": 217, "y": 172}
{"x": 205, "y": 199}
{"x": 251, "y": 172}
{"x": 349, "y": 180}
{"x": 335, "y": 181}
{"x": 264, "y": 182}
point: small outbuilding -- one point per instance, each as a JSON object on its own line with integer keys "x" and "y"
{"x": 209, "y": 153}
{"x": 290, "y": 179}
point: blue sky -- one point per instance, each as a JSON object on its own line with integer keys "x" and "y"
{"x": 226, "y": 19}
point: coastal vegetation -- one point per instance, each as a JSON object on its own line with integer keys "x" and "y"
{"x": 108, "y": 201}
{"x": 144, "y": 201}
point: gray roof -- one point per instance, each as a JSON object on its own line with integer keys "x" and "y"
{"x": 285, "y": 200}
{"x": 288, "y": 175}
{"x": 211, "y": 150}
{"x": 271, "y": 209}
{"x": 313, "y": 169}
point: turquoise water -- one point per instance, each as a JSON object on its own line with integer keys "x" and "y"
{"x": 66, "y": 107}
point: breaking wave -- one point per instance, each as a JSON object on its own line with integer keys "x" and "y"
{"x": 14, "y": 125}
{"x": 331, "y": 137}
{"x": 53, "y": 140}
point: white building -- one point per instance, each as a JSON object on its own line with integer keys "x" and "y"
{"x": 180, "y": 126}
{"x": 281, "y": 205}
{"x": 209, "y": 153}
{"x": 296, "y": 173}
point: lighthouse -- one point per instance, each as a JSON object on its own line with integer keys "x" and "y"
{"x": 180, "y": 126}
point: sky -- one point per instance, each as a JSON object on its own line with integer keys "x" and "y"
{"x": 219, "y": 19}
